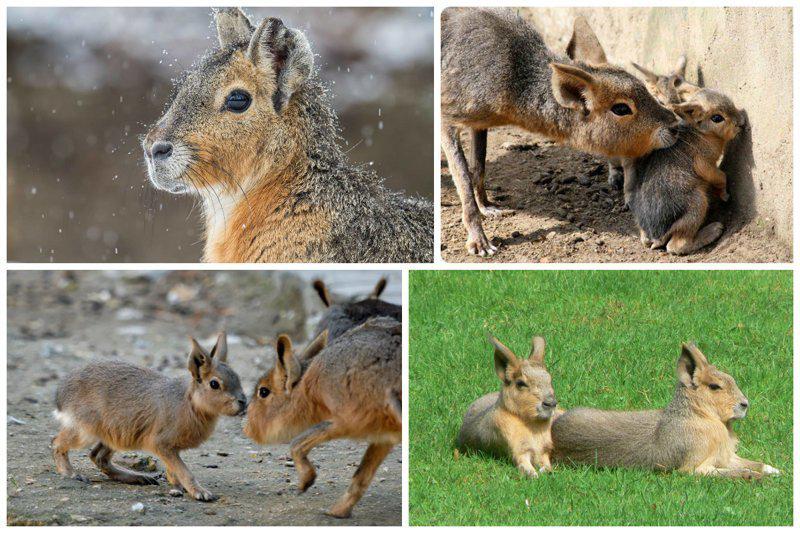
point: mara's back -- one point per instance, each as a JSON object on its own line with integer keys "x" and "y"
{"x": 134, "y": 398}
{"x": 492, "y": 60}
{"x": 343, "y": 317}
{"x": 478, "y": 431}
{"x": 360, "y": 369}
{"x": 645, "y": 439}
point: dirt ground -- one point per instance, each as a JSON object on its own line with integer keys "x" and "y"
{"x": 58, "y": 321}
{"x": 565, "y": 211}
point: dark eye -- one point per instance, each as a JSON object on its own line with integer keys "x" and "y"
{"x": 521, "y": 384}
{"x": 717, "y": 118}
{"x": 238, "y": 101}
{"x": 714, "y": 386}
{"x": 621, "y": 110}
{"x": 214, "y": 384}
{"x": 263, "y": 392}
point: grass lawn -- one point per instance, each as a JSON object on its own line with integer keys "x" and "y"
{"x": 613, "y": 339}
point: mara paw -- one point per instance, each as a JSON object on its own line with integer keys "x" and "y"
{"x": 202, "y": 495}
{"x": 768, "y": 470}
{"x": 481, "y": 246}
{"x": 493, "y": 211}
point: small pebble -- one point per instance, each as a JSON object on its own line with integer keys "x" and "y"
{"x": 137, "y": 507}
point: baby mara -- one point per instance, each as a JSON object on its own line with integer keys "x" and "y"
{"x": 692, "y": 434}
{"x": 669, "y": 189}
{"x": 516, "y": 421}
{"x": 116, "y": 406}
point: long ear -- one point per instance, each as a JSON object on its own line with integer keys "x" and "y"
{"x": 233, "y": 27}
{"x": 322, "y": 291}
{"x": 284, "y": 52}
{"x": 537, "y": 350}
{"x": 584, "y": 45}
{"x": 689, "y": 111}
{"x": 680, "y": 67}
{"x": 286, "y": 363}
{"x": 220, "y": 349}
{"x": 379, "y": 287}
{"x": 199, "y": 361}
{"x": 572, "y": 86}
{"x": 315, "y": 346}
{"x": 691, "y": 360}
{"x": 503, "y": 357}
{"x": 649, "y": 75}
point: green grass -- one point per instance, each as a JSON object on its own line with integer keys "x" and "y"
{"x": 613, "y": 338}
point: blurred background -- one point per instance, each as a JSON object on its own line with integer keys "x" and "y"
{"x": 84, "y": 83}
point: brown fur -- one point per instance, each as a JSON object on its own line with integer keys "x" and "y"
{"x": 693, "y": 434}
{"x": 350, "y": 389}
{"x": 672, "y": 88}
{"x": 496, "y": 71}
{"x": 117, "y": 406}
{"x": 514, "y": 422}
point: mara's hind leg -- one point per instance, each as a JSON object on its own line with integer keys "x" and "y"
{"x": 487, "y": 208}
{"x": 67, "y": 439}
{"x": 101, "y": 456}
{"x": 477, "y": 242}
{"x": 682, "y": 245}
{"x": 684, "y": 237}
{"x": 757, "y": 466}
{"x": 374, "y": 456}
{"x": 645, "y": 240}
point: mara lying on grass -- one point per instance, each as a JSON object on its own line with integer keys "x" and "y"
{"x": 692, "y": 434}
{"x": 516, "y": 421}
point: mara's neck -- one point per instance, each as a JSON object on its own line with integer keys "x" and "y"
{"x": 268, "y": 219}
{"x": 192, "y": 425}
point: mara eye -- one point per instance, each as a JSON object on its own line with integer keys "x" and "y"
{"x": 238, "y": 101}
{"x": 263, "y": 392}
{"x": 521, "y": 384}
{"x": 214, "y": 384}
{"x": 714, "y": 386}
{"x": 717, "y": 118}
{"x": 621, "y": 110}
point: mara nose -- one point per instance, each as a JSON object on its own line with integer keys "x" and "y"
{"x": 161, "y": 150}
{"x": 744, "y": 405}
{"x": 550, "y": 402}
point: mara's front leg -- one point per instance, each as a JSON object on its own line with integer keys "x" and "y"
{"x": 477, "y": 242}
{"x": 178, "y": 471}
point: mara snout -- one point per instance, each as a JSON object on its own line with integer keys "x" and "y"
{"x": 692, "y": 434}
{"x": 349, "y": 388}
{"x": 115, "y": 406}
{"x": 514, "y": 422}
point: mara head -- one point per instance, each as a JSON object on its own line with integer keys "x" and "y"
{"x": 709, "y": 391}
{"x": 714, "y": 113}
{"x": 618, "y": 116}
{"x": 527, "y": 387}
{"x": 230, "y": 119}
{"x": 672, "y": 88}
{"x": 215, "y": 386}
{"x": 273, "y": 416}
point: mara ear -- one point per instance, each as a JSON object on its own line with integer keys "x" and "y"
{"x": 690, "y": 361}
{"x": 503, "y": 357}
{"x": 220, "y": 349}
{"x": 199, "y": 361}
{"x": 680, "y": 67}
{"x": 322, "y": 291}
{"x": 689, "y": 111}
{"x": 649, "y": 75}
{"x": 233, "y": 27}
{"x": 287, "y": 364}
{"x": 379, "y": 287}
{"x": 584, "y": 45}
{"x": 537, "y": 350}
{"x": 315, "y": 346}
{"x": 572, "y": 86}
{"x": 284, "y": 52}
